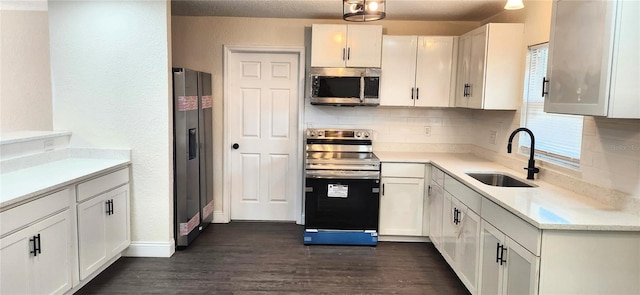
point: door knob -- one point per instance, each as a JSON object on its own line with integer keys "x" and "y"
{"x": 235, "y": 146}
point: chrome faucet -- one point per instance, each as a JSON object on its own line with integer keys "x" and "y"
{"x": 531, "y": 169}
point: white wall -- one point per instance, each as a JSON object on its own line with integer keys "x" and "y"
{"x": 25, "y": 80}
{"x": 110, "y": 64}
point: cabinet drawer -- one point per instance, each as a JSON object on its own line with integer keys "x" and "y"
{"x": 513, "y": 226}
{"x": 437, "y": 175}
{"x": 23, "y": 215}
{"x": 469, "y": 197}
{"x": 102, "y": 184}
{"x": 402, "y": 170}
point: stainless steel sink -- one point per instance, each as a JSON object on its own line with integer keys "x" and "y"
{"x": 499, "y": 179}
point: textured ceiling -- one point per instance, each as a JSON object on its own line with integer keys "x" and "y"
{"x": 427, "y": 10}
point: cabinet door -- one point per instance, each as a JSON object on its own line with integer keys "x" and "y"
{"x": 477, "y": 68}
{"x": 435, "y": 205}
{"x": 328, "y": 45}
{"x": 521, "y": 270}
{"x": 397, "y": 79}
{"x": 468, "y": 247}
{"x": 464, "y": 64}
{"x": 92, "y": 240}
{"x": 491, "y": 272}
{"x": 117, "y": 223}
{"x": 449, "y": 229}
{"x": 579, "y": 79}
{"x": 364, "y": 46}
{"x": 52, "y": 269}
{"x": 15, "y": 263}
{"x": 434, "y": 62}
{"x": 401, "y": 206}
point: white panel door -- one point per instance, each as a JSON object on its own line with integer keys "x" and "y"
{"x": 477, "y": 68}
{"x": 436, "y": 203}
{"x": 491, "y": 272}
{"x": 449, "y": 229}
{"x": 328, "y": 45}
{"x": 91, "y": 235}
{"x": 364, "y": 46}
{"x": 52, "y": 269}
{"x": 468, "y": 247}
{"x": 263, "y": 110}
{"x": 434, "y": 62}
{"x": 464, "y": 64}
{"x": 401, "y": 206}
{"x": 397, "y": 79}
{"x": 15, "y": 263}
{"x": 117, "y": 223}
{"x": 522, "y": 270}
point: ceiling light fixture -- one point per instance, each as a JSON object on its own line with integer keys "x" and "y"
{"x": 514, "y": 4}
{"x": 363, "y": 10}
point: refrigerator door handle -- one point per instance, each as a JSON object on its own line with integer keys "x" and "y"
{"x": 193, "y": 143}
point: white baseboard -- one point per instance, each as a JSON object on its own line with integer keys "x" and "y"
{"x": 218, "y": 217}
{"x": 150, "y": 249}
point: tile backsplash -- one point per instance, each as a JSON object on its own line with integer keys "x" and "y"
{"x": 413, "y": 127}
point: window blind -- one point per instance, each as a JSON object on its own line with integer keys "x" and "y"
{"x": 558, "y": 136}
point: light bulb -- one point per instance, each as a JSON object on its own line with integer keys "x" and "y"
{"x": 514, "y": 4}
{"x": 373, "y": 6}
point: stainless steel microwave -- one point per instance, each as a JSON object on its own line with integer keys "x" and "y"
{"x": 345, "y": 86}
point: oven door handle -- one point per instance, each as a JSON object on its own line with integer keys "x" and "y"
{"x": 342, "y": 174}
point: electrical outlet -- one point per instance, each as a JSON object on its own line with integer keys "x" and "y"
{"x": 492, "y": 136}
{"x": 427, "y": 130}
{"x": 48, "y": 145}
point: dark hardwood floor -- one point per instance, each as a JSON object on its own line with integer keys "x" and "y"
{"x": 269, "y": 258}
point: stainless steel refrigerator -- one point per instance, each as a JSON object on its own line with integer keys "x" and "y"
{"x": 193, "y": 154}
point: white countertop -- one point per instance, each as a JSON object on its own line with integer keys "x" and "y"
{"x": 22, "y": 185}
{"x": 545, "y": 206}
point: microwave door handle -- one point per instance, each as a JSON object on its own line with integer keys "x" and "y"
{"x": 361, "y": 87}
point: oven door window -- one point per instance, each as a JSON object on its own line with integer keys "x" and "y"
{"x": 337, "y": 87}
{"x": 343, "y": 204}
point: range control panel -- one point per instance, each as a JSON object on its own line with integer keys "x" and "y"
{"x": 356, "y": 134}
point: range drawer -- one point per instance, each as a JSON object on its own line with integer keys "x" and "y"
{"x": 402, "y": 170}
{"x": 102, "y": 184}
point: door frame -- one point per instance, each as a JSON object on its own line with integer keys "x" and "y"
{"x": 299, "y": 133}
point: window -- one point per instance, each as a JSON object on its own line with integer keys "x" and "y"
{"x": 558, "y": 137}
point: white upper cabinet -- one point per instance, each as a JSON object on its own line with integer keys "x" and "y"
{"x": 594, "y": 63}
{"x": 490, "y": 67}
{"x": 417, "y": 70}
{"x": 340, "y": 46}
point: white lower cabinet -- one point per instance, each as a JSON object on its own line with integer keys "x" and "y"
{"x": 402, "y": 199}
{"x": 36, "y": 259}
{"x": 506, "y": 267}
{"x": 103, "y": 229}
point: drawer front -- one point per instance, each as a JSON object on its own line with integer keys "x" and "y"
{"x": 437, "y": 175}
{"x": 513, "y": 226}
{"x": 102, "y": 184}
{"x": 25, "y": 214}
{"x": 469, "y": 197}
{"x": 402, "y": 170}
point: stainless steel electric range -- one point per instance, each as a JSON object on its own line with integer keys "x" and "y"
{"x": 342, "y": 187}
